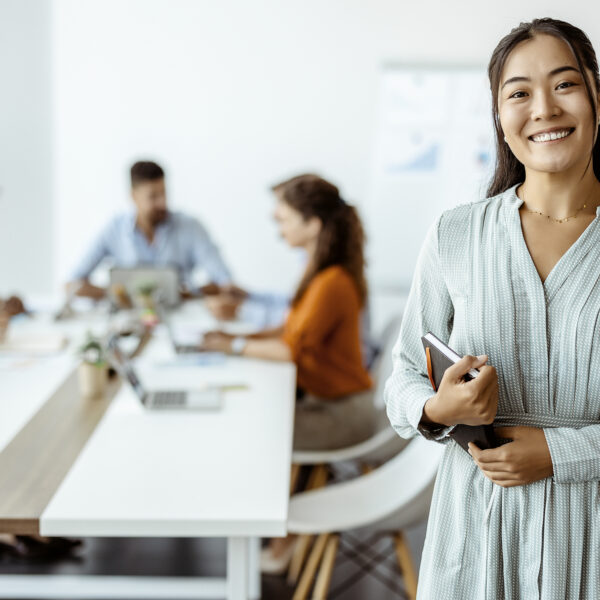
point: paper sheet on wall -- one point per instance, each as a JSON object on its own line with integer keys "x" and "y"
{"x": 433, "y": 150}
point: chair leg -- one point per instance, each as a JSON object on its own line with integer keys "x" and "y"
{"x": 308, "y": 575}
{"x": 327, "y": 564}
{"x": 367, "y": 468}
{"x": 300, "y": 551}
{"x": 294, "y": 477}
{"x": 406, "y": 564}
{"x": 316, "y": 479}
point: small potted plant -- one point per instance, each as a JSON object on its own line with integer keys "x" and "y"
{"x": 146, "y": 299}
{"x": 145, "y": 294}
{"x": 93, "y": 370}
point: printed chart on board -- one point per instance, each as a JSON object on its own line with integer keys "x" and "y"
{"x": 433, "y": 150}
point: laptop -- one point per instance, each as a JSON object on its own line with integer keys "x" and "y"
{"x": 165, "y": 280}
{"x": 208, "y": 398}
{"x": 178, "y": 346}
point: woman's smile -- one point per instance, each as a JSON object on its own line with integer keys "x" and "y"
{"x": 556, "y": 134}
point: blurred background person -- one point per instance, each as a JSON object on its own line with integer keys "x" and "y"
{"x": 322, "y": 331}
{"x": 152, "y": 235}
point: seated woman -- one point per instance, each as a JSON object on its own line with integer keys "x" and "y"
{"x": 322, "y": 331}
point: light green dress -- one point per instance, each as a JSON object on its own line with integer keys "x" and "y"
{"x": 476, "y": 287}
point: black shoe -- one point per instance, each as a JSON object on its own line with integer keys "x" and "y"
{"x": 31, "y": 548}
{"x": 7, "y": 550}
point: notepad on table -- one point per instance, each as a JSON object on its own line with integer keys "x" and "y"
{"x": 34, "y": 343}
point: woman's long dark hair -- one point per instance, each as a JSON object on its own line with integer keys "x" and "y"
{"x": 509, "y": 171}
{"x": 342, "y": 238}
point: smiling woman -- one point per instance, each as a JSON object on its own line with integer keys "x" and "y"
{"x": 555, "y": 70}
{"x": 516, "y": 276}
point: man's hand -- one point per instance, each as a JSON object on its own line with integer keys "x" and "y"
{"x": 210, "y": 289}
{"x": 217, "y": 341}
{"x": 224, "y": 306}
{"x": 524, "y": 460}
{"x": 85, "y": 289}
{"x": 234, "y": 291}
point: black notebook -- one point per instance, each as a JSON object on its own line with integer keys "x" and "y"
{"x": 439, "y": 358}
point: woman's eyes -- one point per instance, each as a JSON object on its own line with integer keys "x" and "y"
{"x": 564, "y": 85}
{"x": 561, "y": 86}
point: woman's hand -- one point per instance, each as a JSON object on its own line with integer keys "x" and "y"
{"x": 524, "y": 460}
{"x": 217, "y": 341}
{"x": 473, "y": 402}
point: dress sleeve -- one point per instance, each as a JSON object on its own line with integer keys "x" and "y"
{"x": 575, "y": 453}
{"x": 429, "y": 309}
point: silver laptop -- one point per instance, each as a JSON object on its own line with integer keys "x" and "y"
{"x": 164, "y": 279}
{"x": 178, "y": 347}
{"x": 208, "y": 398}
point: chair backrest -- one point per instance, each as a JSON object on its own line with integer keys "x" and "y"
{"x": 398, "y": 491}
{"x": 382, "y": 367}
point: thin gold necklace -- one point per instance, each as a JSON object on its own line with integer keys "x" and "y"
{"x": 537, "y": 212}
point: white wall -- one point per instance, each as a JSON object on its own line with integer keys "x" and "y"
{"x": 26, "y": 231}
{"x": 232, "y": 96}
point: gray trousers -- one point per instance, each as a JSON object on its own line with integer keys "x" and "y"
{"x": 331, "y": 424}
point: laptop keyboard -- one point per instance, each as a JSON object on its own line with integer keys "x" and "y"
{"x": 169, "y": 398}
{"x": 187, "y": 349}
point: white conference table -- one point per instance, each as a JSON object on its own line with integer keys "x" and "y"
{"x": 172, "y": 474}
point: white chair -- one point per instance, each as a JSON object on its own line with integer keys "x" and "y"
{"x": 389, "y": 499}
{"x": 385, "y": 442}
{"x": 380, "y": 447}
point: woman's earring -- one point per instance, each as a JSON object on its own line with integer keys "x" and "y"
{"x": 505, "y": 139}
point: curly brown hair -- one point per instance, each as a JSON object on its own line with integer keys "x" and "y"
{"x": 342, "y": 237}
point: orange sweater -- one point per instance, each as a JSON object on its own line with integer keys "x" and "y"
{"x": 323, "y": 333}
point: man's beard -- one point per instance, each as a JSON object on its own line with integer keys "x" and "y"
{"x": 158, "y": 216}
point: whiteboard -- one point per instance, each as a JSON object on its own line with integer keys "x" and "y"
{"x": 433, "y": 150}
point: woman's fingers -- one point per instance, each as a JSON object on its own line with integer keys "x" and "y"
{"x": 491, "y": 455}
{"x": 488, "y": 460}
{"x": 498, "y": 476}
{"x": 508, "y": 482}
{"x": 457, "y": 371}
{"x": 497, "y": 467}
{"x": 524, "y": 460}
